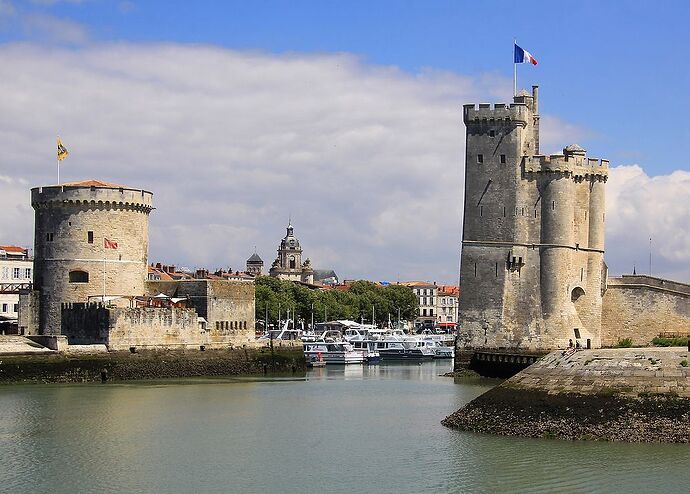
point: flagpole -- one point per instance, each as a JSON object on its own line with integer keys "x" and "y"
{"x": 514, "y": 70}
{"x": 103, "y": 271}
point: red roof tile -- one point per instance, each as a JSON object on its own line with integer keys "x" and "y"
{"x": 94, "y": 183}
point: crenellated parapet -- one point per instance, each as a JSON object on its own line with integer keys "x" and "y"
{"x": 87, "y": 195}
{"x": 510, "y": 114}
{"x": 572, "y": 163}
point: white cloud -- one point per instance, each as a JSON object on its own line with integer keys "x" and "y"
{"x": 640, "y": 207}
{"x": 367, "y": 159}
{"x": 52, "y": 29}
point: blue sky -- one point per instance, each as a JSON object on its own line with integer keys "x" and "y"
{"x": 345, "y": 114}
{"x": 616, "y": 68}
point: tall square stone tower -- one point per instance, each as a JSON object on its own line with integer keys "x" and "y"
{"x": 532, "y": 271}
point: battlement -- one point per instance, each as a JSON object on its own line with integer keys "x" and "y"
{"x": 93, "y": 193}
{"x": 572, "y": 163}
{"x": 499, "y": 113}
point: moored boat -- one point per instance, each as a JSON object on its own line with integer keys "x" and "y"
{"x": 332, "y": 352}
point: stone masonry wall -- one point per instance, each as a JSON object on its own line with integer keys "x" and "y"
{"x": 154, "y": 328}
{"x": 642, "y": 308}
{"x": 227, "y": 306}
{"x": 628, "y": 371}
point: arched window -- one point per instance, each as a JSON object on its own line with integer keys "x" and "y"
{"x": 293, "y": 264}
{"x": 576, "y": 293}
{"x": 78, "y": 277}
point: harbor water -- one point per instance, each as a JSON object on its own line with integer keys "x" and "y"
{"x": 354, "y": 429}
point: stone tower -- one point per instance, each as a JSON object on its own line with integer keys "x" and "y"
{"x": 255, "y": 265}
{"x": 532, "y": 269}
{"x": 71, "y": 262}
{"x": 288, "y": 265}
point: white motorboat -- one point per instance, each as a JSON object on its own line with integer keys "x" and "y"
{"x": 332, "y": 352}
{"x": 440, "y": 350}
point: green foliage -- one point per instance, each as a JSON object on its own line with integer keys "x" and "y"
{"x": 624, "y": 343}
{"x": 661, "y": 341}
{"x": 684, "y": 362}
{"x": 277, "y": 296}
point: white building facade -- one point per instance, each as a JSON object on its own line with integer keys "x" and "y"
{"x": 16, "y": 272}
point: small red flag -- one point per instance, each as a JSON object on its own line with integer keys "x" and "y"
{"x": 109, "y": 244}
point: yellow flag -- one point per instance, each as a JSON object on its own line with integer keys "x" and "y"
{"x": 62, "y": 152}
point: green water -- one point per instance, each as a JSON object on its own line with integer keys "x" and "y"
{"x": 351, "y": 430}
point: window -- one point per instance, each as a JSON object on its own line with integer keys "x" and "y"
{"x": 89, "y": 237}
{"x": 577, "y": 333}
{"x": 5, "y": 273}
{"x": 16, "y": 273}
{"x": 475, "y": 269}
{"x": 293, "y": 263}
{"x": 481, "y": 210}
{"x": 496, "y": 270}
{"x": 504, "y": 211}
{"x": 4, "y": 307}
{"x": 49, "y": 237}
{"x": 424, "y": 312}
{"x": 27, "y": 273}
{"x": 16, "y": 307}
{"x": 503, "y": 159}
{"x": 480, "y": 158}
{"x": 431, "y": 312}
{"x": 492, "y": 133}
{"x": 553, "y": 205}
{"x": 78, "y": 277}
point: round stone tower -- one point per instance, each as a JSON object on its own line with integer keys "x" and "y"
{"x": 91, "y": 240}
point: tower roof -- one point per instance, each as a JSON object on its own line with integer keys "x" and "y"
{"x": 574, "y": 149}
{"x": 94, "y": 183}
{"x": 255, "y": 258}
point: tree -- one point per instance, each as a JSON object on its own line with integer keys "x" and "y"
{"x": 356, "y": 303}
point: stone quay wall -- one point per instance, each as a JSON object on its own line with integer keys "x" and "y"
{"x": 632, "y": 394}
{"x": 642, "y": 308}
{"x": 150, "y": 364}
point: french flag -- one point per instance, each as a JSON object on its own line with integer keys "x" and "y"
{"x": 523, "y": 56}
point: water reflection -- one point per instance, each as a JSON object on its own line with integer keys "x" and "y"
{"x": 351, "y": 429}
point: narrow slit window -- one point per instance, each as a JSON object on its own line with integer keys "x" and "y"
{"x": 582, "y": 274}
{"x": 503, "y": 159}
{"x": 553, "y": 205}
{"x": 89, "y": 237}
{"x": 480, "y": 158}
{"x": 481, "y": 210}
{"x": 475, "y": 269}
{"x": 535, "y": 213}
{"x": 504, "y": 211}
{"x": 496, "y": 270}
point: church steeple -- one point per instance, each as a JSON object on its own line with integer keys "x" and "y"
{"x": 288, "y": 265}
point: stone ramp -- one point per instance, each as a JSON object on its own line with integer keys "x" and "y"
{"x": 628, "y": 371}
{"x": 623, "y": 394}
{"x": 19, "y": 345}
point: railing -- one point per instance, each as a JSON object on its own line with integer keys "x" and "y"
{"x": 14, "y": 288}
